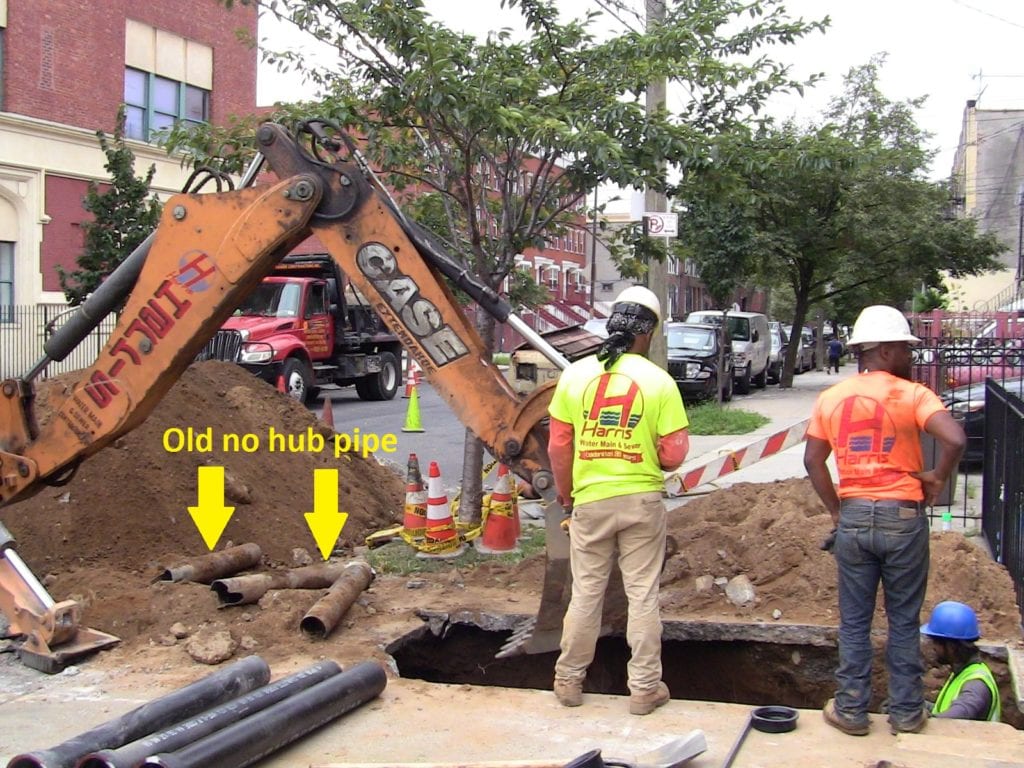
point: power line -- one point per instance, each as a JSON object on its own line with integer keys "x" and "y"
{"x": 990, "y": 15}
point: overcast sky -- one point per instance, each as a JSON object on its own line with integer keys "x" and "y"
{"x": 947, "y": 50}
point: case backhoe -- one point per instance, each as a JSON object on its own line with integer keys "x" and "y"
{"x": 208, "y": 253}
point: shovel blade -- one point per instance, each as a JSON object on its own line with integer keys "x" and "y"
{"x": 674, "y": 753}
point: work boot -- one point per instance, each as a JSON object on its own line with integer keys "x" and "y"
{"x": 836, "y": 720}
{"x": 568, "y": 692}
{"x": 645, "y": 703}
{"x": 913, "y": 725}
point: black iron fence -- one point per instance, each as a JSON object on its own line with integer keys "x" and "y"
{"x": 1003, "y": 482}
{"x": 25, "y": 329}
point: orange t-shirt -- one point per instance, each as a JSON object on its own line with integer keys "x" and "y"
{"x": 873, "y": 422}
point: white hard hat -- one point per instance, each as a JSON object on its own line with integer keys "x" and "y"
{"x": 637, "y": 294}
{"x": 880, "y": 323}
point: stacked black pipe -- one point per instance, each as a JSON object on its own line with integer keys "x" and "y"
{"x": 230, "y": 719}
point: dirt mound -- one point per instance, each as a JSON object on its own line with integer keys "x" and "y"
{"x": 771, "y": 532}
{"x": 127, "y": 506}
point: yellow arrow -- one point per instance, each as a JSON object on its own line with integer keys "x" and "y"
{"x": 325, "y": 521}
{"x": 210, "y": 515}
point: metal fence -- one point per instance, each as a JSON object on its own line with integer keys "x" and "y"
{"x": 1002, "y": 495}
{"x": 25, "y": 329}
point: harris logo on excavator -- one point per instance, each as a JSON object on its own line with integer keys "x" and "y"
{"x": 413, "y": 313}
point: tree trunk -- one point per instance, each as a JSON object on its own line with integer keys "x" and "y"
{"x": 471, "y": 500}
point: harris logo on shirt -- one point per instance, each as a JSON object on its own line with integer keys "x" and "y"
{"x": 614, "y": 406}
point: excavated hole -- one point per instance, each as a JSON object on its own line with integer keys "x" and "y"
{"x": 709, "y": 662}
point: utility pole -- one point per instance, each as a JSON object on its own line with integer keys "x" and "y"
{"x": 593, "y": 262}
{"x": 657, "y": 271}
{"x": 1020, "y": 238}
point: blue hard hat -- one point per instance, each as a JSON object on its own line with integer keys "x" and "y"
{"x": 953, "y": 621}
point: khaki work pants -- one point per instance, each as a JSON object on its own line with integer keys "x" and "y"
{"x": 636, "y": 525}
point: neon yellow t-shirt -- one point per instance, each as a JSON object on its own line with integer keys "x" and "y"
{"x": 617, "y": 417}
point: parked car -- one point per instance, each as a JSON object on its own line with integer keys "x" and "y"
{"x": 693, "y": 351}
{"x": 779, "y": 343}
{"x": 807, "y": 356}
{"x": 748, "y": 332}
{"x": 967, "y": 405}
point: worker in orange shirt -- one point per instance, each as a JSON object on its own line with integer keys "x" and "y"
{"x": 872, "y": 422}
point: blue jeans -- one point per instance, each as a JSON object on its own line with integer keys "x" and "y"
{"x": 877, "y": 542}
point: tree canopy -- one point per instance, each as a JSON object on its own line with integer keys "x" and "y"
{"x": 502, "y": 138}
{"x": 834, "y": 215}
{"x": 124, "y": 214}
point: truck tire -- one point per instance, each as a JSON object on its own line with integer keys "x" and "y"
{"x": 743, "y": 383}
{"x": 297, "y": 379}
{"x": 383, "y": 385}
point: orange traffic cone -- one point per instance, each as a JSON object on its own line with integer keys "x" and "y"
{"x": 440, "y": 533}
{"x": 415, "y": 520}
{"x": 412, "y": 378}
{"x": 327, "y": 417}
{"x": 500, "y": 526}
{"x": 281, "y": 385}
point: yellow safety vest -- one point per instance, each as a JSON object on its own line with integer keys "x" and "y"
{"x": 951, "y": 690}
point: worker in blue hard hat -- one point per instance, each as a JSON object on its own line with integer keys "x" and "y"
{"x": 971, "y": 692}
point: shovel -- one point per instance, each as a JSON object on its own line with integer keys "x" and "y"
{"x": 671, "y": 755}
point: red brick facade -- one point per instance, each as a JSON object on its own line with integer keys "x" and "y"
{"x": 64, "y": 59}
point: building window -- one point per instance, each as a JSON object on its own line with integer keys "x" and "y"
{"x": 154, "y": 103}
{"x": 6, "y": 282}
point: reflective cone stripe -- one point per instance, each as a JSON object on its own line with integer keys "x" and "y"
{"x": 440, "y": 526}
{"x": 411, "y": 379}
{"x": 499, "y": 528}
{"x": 415, "y": 519}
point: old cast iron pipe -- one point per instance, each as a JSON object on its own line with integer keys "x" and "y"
{"x": 226, "y": 684}
{"x": 242, "y": 590}
{"x": 209, "y": 567}
{"x": 188, "y": 731}
{"x": 248, "y": 740}
{"x": 328, "y": 610}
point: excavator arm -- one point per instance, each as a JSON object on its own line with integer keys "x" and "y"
{"x": 207, "y": 254}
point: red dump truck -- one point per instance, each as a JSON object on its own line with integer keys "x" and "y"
{"x": 304, "y": 328}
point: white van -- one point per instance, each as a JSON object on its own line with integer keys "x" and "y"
{"x": 751, "y": 344}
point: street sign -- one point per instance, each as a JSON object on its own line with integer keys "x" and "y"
{"x": 662, "y": 224}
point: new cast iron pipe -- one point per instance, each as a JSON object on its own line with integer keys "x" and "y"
{"x": 242, "y": 590}
{"x": 328, "y": 610}
{"x": 209, "y": 567}
{"x": 188, "y": 731}
{"x": 248, "y": 740}
{"x": 225, "y": 684}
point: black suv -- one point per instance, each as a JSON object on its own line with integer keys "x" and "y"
{"x": 693, "y": 360}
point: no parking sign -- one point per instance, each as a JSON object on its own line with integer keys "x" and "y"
{"x": 662, "y": 224}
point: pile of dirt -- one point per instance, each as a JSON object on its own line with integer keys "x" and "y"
{"x": 771, "y": 533}
{"x": 127, "y": 506}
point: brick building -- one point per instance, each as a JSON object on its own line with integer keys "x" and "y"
{"x": 65, "y": 68}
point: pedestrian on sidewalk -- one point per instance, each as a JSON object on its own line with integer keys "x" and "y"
{"x": 970, "y": 692}
{"x": 873, "y": 424}
{"x": 835, "y": 351}
{"x": 617, "y": 421}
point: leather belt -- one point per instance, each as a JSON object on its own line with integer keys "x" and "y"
{"x": 905, "y": 507}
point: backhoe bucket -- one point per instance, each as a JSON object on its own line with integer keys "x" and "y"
{"x": 543, "y": 633}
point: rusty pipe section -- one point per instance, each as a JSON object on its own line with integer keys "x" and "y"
{"x": 242, "y": 590}
{"x": 255, "y": 737}
{"x": 187, "y": 731}
{"x": 239, "y": 678}
{"x": 216, "y": 564}
{"x": 328, "y": 610}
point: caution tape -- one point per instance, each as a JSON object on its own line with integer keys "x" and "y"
{"x": 684, "y": 480}
{"x": 465, "y": 532}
